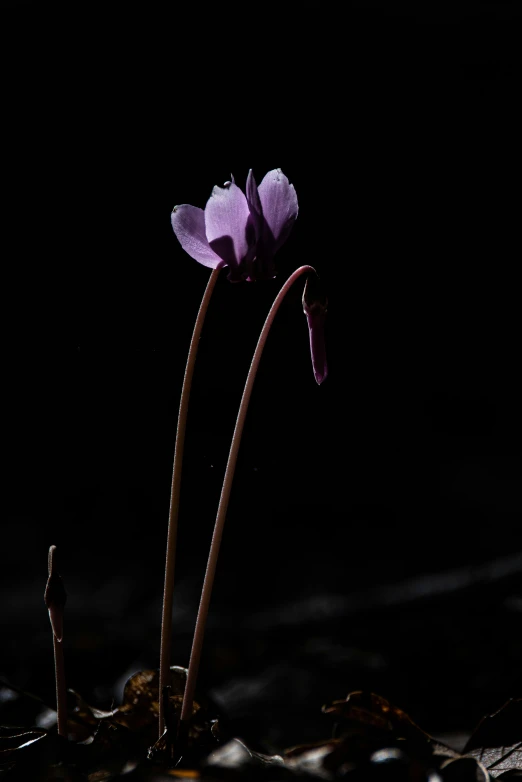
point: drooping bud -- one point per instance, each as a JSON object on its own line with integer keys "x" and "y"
{"x": 315, "y": 307}
{"x": 55, "y": 596}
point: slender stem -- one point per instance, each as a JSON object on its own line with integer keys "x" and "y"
{"x": 166, "y": 618}
{"x": 208, "y": 582}
{"x": 61, "y": 692}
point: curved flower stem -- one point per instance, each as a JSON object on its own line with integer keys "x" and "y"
{"x": 197, "y": 643}
{"x": 166, "y": 618}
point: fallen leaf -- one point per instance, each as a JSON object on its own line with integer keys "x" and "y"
{"x": 497, "y": 740}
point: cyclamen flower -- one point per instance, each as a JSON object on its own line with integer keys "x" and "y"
{"x": 238, "y": 230}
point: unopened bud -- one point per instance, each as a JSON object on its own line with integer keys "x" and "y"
{"x": 315, "y": 307}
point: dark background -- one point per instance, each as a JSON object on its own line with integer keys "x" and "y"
{"x": 373, "y": 538}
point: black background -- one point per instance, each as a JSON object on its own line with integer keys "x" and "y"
{"x": 373, "y": 537}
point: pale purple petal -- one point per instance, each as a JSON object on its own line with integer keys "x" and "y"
{"x": 279, "y": 204}
{"x": 188, "y": 223}
{"x": 226, "y": 217}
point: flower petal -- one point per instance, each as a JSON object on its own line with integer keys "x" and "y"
{"x": 226, "y": 217}
{"x": 188, "y": 223}
{"x": 279, "y": 203}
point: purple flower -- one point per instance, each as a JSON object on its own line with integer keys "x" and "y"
{"x": 240, "y": 231}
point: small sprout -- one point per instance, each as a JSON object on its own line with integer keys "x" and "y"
{"x": 55, "y": 598}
